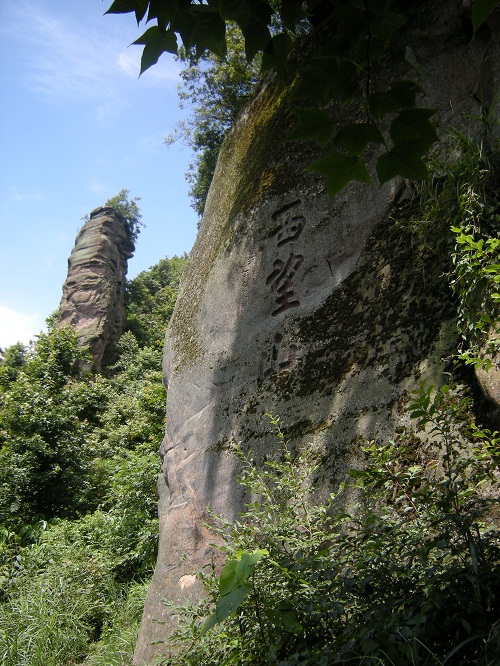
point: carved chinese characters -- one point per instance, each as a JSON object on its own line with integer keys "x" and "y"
{"x": 289, "y": 226}
{"x": 281, "y": 282}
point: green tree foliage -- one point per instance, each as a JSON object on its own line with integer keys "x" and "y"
{"x": 11, "y": 362}
{"x": 457, "y": 219}
{"x": 475, "y": 272}
{"x": 129, "y": 210}
{"x": 344, "y": 70}
{"x": 78, "y": 470}
{"x": 412, "y": 578}
{"x": 150, "y": 299}
{"x": 46, "y": 416}
{"x": 214, "y": 88}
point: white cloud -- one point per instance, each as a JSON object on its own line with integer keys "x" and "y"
{"x": 152, "y": 143}
{"x": 68, "y": 60}
{"x": 64, "y": 60}
{"x": 25, "y": 195}
{"x": 17, "y": 326}
{"x": 130, "y": 62}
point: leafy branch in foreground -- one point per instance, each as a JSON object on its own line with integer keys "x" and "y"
{"x": 412, "y": 578}
{"x": 361, "y": 35}
{"x": 458, "y": 215}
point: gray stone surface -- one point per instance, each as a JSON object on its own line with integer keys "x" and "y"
{"x": 319, "y": 311}
{"x": 93, "y": 294}
{"x": 489, "y": 380}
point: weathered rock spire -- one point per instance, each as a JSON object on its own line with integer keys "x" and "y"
{"x": 93, "y": 294}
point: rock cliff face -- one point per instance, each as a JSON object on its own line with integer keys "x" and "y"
{"x": 319, "y": 311}
{"x": 93, "y": 294}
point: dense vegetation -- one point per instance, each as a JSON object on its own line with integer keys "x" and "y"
{"x": 78, "y": 467}
{"x": 413, "y": 577}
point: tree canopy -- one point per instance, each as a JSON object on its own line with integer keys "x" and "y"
{"x": 78, "y": 468}
{"x": 361, "y": 34}
{"x": 214, "y": 88}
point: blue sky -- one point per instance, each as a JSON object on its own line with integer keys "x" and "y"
{"x": 77, "y": 126}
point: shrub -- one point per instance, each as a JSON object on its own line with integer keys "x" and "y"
{"x": 412, "y": 578}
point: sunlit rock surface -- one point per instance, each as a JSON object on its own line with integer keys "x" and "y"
{"x": 319, "y": 311}
{"x": 93, "y": 294}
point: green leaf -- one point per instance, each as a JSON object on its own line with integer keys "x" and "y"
{"x": 184, "y": 25}
{"x": 232, "y": 586}
{"x": 481, "y": 9}
{"x": 355, "y": 137}
{"x": 292, "y": 12}
{"x": 403, "y": 160}
{"x": 380, "y": 104}
{"x": 156, "y": 41}
{"x": 344, "y": 81}
{"x": 284, "y": 618}
{"x": 210, "y": 622}
{"x": 139, "y": 8}
{"x": 351, "y": 20}
{"x": 384, "y": 26}
{"x": 246, "y": 12}
{"x": 314, "y": 125}
{"x": 410, "y": 57}
{"x": 162, "y": 12}
{"x": 226, "y": 606}
{"x": 236, "y": 570}
{"x": 276, "y": 54}
{"x": 253, "y": 18}
{"x": 414, "y": 125}
{"x": 230, "y": 602}
{"x": 328, "y": 79}
{"x": 401, "y": 95}
{"x": 339, "y": 170}
{"x": 257, "y": 38}
{"x": 246, "y": 564}
{"x": 227, "y": 578}
{"x": 404, "y": 93}
{"x": 209, "y": 31}
{"x": 313, "y": 83}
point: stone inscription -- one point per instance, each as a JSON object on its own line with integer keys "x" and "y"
{"x": 281, "y": 282}
{"x": 288, "y": 226}
{"x": 282, "y": 358}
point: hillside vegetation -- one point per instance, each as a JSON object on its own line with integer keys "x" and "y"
{"x": 78, "y": 468}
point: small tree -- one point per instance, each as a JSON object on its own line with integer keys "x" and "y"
{"x": 129, "y": 210}
{"x": 214, "y": 88}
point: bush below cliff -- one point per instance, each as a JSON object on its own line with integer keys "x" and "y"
{"x": 78, "y": 468}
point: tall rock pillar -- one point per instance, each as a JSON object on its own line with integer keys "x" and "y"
{"x": 319, "y": 311}
{"x": 93, "y": 294}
